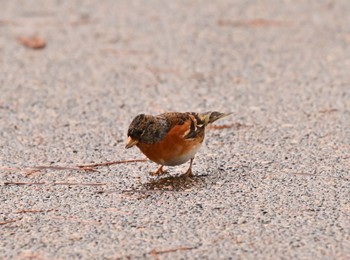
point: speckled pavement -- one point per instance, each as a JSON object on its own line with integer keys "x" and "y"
{"x": 272, "y": 180}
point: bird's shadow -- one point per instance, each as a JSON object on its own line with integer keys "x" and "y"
{"x": 175, "y": 183}
{"x": 162, "y": 184}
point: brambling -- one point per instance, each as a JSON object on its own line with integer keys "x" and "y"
{"x": 171, "y": 138}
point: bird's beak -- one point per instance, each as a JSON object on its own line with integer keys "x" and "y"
{"x": 130, "y": 143}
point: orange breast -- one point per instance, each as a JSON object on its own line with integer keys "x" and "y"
{"x": 174, "y": 149}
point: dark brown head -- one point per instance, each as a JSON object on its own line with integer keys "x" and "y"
{"x": 146, "y": 129}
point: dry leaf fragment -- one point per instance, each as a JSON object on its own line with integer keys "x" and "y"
{"x": 33, "y": 42}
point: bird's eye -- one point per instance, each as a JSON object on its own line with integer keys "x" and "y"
{"x": 137, "y": 133}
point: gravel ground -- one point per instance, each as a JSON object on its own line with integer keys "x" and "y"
{"x": 272, "y": 182}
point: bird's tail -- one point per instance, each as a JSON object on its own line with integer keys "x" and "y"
{"x": 211, "y": 116}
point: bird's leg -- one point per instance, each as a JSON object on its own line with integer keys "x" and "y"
{"x": 158, "y": 172}
{"x": 189, "y": 171}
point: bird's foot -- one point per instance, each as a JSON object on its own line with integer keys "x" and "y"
{"x": 158, "y": 172}
{"x": 189, "y": 173}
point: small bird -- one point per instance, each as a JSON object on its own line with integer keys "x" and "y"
{"x": 170, "y": 138}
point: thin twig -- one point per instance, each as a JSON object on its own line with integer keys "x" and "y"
{"x": 111, "y": 163}
{"x": 87, "y": 167}
{"x": 24, "y": 183}
{"x": 155, "y": 252}
{"x": 79, "y": 184}
{"x": 252, "y": 23}
{"x": 5, "y": 168}
{"x": 60, "y": 168}
{"x": 32, "y": 211}
{"x": 9, "y": 221}
{"x": 328, "y": 110}
{"x": 55, "y": 183}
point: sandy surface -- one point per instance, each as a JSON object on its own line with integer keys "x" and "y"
{"x": 272, "y": 182}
